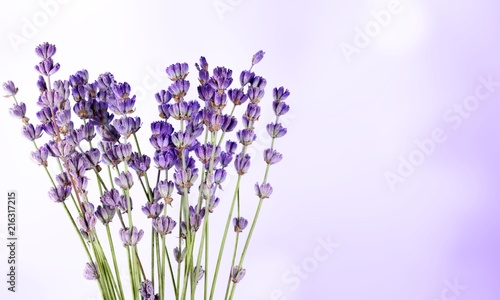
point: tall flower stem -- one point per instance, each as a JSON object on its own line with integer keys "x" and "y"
{"x": 115, "y": 263}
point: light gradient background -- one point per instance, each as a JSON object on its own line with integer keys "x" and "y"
{"x": 348, "y": 126}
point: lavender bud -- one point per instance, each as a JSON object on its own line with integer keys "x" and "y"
{"x": 41, "y": 84}
{"x": 152, "y": 210}
{"x": 253, "y": 112}
{"x": 206, "y": 92}
{"x": 237, "y": 274}
{"x": 59, "y": 193}
{"x": 18, "y": 111}
{"x": 276, "y": 130}
{"x": 280, "y": 94}
{"x": 198, "y": 273}
{"x": 240, "y": 224}
{"x": 229, "y": 123}
{"x": 163, "y": 97}
{"x": 165, "y": 160}
{"x": 105, "y": 214}
{"x": 40, "y": 156}
{"x": 213, "y": 203}
{"x": 179, "y": 255}
{"x": 165, "y": 189}
{"x": 185, "y": 178}
{"x": 44, "y": 115}
{"x": 246, "y": 77}
{"x": 179, "y": 89}
{"x": 246, "y": 136}
{"x": 280, "y": 108}
{"x": 237, "y": 96}
{"x": 127, "y": 126}
{"x": 90, "y": 272}
{"x": 257, "y": 57}
{"x": 45, "y": 50}
{"x": 147, "y": 290}
{"x": 161, "y": 127}
{"x": 177, "y": 71}
{"x": 221, "y": 79}
{"x": 111, "y": 198}
{"x": 10, "y": 88}
{"x": 131, "y": 237}
{"x": 164, "y": 225}
{"x": 47, "y": 67}
{"x": 272, "y": 156}
{"x": 255, "y": 94}
{"x": 125, "y": 180}
{"x": 63, "y": 179}
{"x": 140, "y": 163}
{"x": 264, "y": 190}
{"x": 242, "y": 163}
{"x": 32, "y": 133}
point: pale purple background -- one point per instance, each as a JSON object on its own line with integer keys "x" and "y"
{"x": 349, "y": 124}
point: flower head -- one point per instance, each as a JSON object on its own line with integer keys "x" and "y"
{"x": 60, "y": 193}
{"x": 264, "y": 190}
{"x": 237, "y": 274}
{"x": 10, "y": 88}
{"x": 90, "y": 271}
{"x": 130, "y": 237}
{"x": 257, "y": 57}
{"x": 147, "y": 290}
{"x": 164, "y": 225}
{"x": 45, "y": 50}
{"x": 177, "y": 71}
{"x": 240, "y": 224}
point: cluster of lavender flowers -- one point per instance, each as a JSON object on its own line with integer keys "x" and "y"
{"x": 91, "y": 130}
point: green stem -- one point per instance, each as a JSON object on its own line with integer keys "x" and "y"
{"x": 115, "y": 263}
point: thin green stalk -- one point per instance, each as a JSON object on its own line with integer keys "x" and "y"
{"x": 115, "y": 263}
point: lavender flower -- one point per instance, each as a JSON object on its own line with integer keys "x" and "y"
{"x": 272, "y": 156}
{"x": 221, "y": 79}
{"x": 165, "y": 160}
{"x": 163, "y": 97}
{"x": 60, "y": 193}
{"x": 179, "y": 255}
{"x": 195, "y": 217}
{"x": 280, "y": 108}
{"x": 127, "y": 126}
{"x": 198, "y": 273}
{"x": 32, "y": 133}
{"x": 131, "y": 237}
{"x": 10, "y": 88}
{"x": 213, "y": 203}
{"x": 182, "y": 140}
{"x": 242, "y": 163}
{"x": 246, "y": 77}
{"x": 140, "y": 163}
{"x": 40, "y": 156}
{"x": 164, "y": 225}
{"x": 255, "y": 94}
{"x": 239, "y": 224}
{"x": 237, "y": 274}
{"x": 63, "y": 179}
{"x": 206, "y": 92}
{"x": 147, "y": 290}
{"x": 88, "y": 222}
{"x": 177, "y": 71}
{"x": 165, "y": 189}
{"x": 41, "y": 84}
{"x": 237, "y": 96}
{"x": 257, "y": 57}
{"x": 90, "y": 271}
{"x": 112, "y": 199}
{"x": 47, "y": 67}
{"x": 246, "y": 136}
{"x": 264, "y": 190}
{"x": 125, "y": 180}
{"x": 179, "y": 89}
{"x": 280, "y": 94}
{"x": 117, "y": 153}
{"x": 44, "y": 115}
{"x": 18, "y": 111}
{"x": 152, "y": 210}
{"x": 45, "y": 50}
{"x": 276, "y": 130}
{"x": 161, "y": 127}
{"x": 60, "y": 149}
{"x": 229, "y": 123}
{"x": 105, "y": 214}
{"x": 185, "y": 178}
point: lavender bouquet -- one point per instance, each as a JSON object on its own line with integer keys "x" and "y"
{"x": 91, "y": 140}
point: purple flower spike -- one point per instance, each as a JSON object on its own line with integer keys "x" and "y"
{"x": 131, "y": 237}
{"x": 45, "y": 50}
{"x": 177, "y": 71}
{"x": 105, "y": 214}
{"x": 237, "y": 274}
{"x": 60, "y": 193}
{"x": 257, "y": 57}
{"x": 246, "y": 136}
{"x": 147, "y": 290}
{"x": 276, "y": 130}
{"x": 264, "y": 190}
{"x": 164, "y": 225}
{"x": 40, "y": 156}
{"x": 10, "y": 88}
{"x": 90, "y": 272}
{"x": 47, "y": 67}
{"x": 125, "y": 180}
{"x": 152, "y": 210}
{"x": 242, "y": 163}
{"x": 239, "y": 224}
{"x": 18, "y": 111}
{"x": 32, "y": 133}
{"x": 272, "y": 157}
